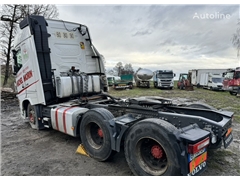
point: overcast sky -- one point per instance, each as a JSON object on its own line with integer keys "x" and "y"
{"x": 179, "y": 37}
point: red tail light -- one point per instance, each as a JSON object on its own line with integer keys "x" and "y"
{"x": 194, "y": 148}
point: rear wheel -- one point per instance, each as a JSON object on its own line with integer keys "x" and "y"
{"x": 95, "y": 135}
{"x": 148, "y": 84}
{"x": 149, "y": 150}
{"x": 32, "y": 116}
{"x": 155, "y": 84}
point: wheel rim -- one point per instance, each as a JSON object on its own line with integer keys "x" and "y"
{"x": 94, "y": 135}
{"x": 151, "y": 156}
{"x": 32, "y": 115}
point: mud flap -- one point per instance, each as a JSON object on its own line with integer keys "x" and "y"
{"x": 81, "y": 150}
{"x": 196, "y": 162}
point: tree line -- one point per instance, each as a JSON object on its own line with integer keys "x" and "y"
{"x": 121, "y": 69}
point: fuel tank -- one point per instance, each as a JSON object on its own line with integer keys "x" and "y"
{"x": 144, "y": 74}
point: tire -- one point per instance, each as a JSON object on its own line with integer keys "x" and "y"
{"x": 232, "y": 93}
{"x": 149, "y": 150}
{"x": 148, "y": 85}
{"x": 95, "y": 135}
{"x": 32, "y": 116}
{"x": 138, "y": 84}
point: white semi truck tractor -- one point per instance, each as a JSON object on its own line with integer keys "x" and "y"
{"x": 61, "y": 84}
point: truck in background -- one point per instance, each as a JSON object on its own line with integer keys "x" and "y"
{"x": 142, "y": 77}
{"x": 62, "y": 84}
{"x": 231, "y": 81}
{"x": 184, "y": 82}
{"x": 129, "y": 78}
{"x": 124, "y": 82}
{"x": 112, "y": 79}
{"x": 196, "y": 74}
{"x": 212, "y": 81}
{"x": 163, "y": 79}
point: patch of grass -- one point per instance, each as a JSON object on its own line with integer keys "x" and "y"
{"x": 135, "y": 92}
{"x": 237, "y": 118}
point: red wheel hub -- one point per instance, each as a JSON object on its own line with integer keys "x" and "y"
{"x": 100, "y": 132}
{"x": 157, "y": 151}
{"x": 31, "y": 118}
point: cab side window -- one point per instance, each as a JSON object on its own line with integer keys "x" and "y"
{"x": 237, "y": 75}
{"x": 17, "y": 57}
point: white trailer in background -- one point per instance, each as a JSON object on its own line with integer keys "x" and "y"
{"x": 196, "y": 74}
{"x": 212, "y": 81}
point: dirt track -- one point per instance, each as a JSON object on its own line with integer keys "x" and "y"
{"x": 50, "y": 153}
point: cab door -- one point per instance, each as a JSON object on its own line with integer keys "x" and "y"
{"x": 226, "y": 81}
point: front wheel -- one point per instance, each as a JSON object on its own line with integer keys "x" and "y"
{"x": 150, "y": 148}
{"x": 32, "y": 116}
{"x": 232, "y": 93}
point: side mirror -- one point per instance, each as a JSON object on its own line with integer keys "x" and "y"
{"x": 15, "y": 70}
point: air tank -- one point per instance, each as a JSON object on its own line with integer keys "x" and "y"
{"x": 144, "y": 74}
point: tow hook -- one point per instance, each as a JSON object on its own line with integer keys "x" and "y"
{"x": 213, "y": 136}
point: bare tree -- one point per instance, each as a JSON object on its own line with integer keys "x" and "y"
{"x": 118, "y": 68}
{"x": 111, "y": 72}
{"x": 236, "y": 40}
{"x": 7, "y": 31}
{"x": 11, "y": 15}
{"x": 128, "y": 69}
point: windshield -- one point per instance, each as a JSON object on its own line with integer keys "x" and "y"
{"x": 110, "y": 78}
{"x": 237, "y": 74}
{"x": 165, "y": 75}
{"x": 184, "y": 76}
{"x": 217, "y": 80}
{"x": 229, "y": 75}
